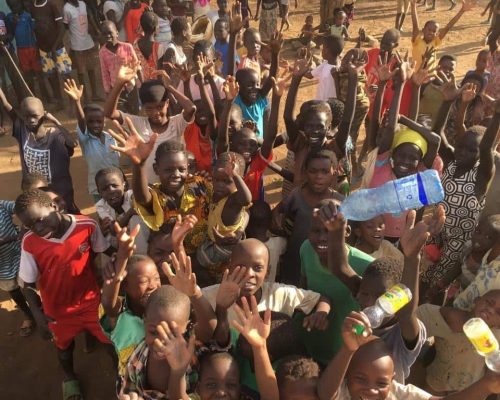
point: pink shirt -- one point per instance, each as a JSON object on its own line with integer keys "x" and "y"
{"x": 382, "y": 173}
{"x": 111, "y": 63}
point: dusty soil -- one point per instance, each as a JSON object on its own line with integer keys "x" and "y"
{"x": 29, "y": 368}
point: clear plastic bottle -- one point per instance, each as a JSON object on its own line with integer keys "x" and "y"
{"x": 410, "y": 192}
{"x": 483, "y": 340}
{"x": 386, "y": 305}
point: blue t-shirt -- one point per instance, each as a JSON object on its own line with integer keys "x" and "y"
{"x": 222, "y": 52}
{"x": 22, "y": 29}
{"x": 254, "y": 112}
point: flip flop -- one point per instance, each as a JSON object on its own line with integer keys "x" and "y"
{"x": 71, "y": 388}
{"x": 27, "y": 328}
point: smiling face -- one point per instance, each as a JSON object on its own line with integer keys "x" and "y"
{"x": 157, "y": 112}
{"x": 316, "y": 127}
{"x": 172, "y": 170}
{"x": 254, "y": 256}
{"x": 109, "y": 33}
{"x": 244, "y": 142}
{"x": 405, "y": 159}
{"x": 142, "y": 280}
{"x": 487, "y": 307}
{"x": 111, "y": 187}
{"x": 43, "y": 221}
{"x": 430, "y": 31}
{"x": 372, "y": 232}
{"x": 220, "y": 379}
{"x": 221, "y": 30}
{"x": 95, "y": 122}
{"x": 249, "y": 83}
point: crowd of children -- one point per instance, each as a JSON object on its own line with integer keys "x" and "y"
{"x": 203, "y": 289}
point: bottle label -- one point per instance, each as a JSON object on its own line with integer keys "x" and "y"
{"x": 484, "y": 344}
{"x": 397, "y": 297}
{"x": 480, "y": 335}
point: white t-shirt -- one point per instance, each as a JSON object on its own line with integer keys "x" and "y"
{"x": 174, "y": 131}
{"x": 76, "y": 19}
{"x": 275, "y": 296}
{"x": 276, "y": 246}
{"x": 117, "y": 7}
{"x": 398, "y": 392}
{"x": 195, "y": 90}
{"x": 180, "y": 57}
{"x": 326, "y": 85}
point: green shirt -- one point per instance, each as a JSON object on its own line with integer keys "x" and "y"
{"x": 322, "y": 345}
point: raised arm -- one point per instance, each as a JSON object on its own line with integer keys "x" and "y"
{"x": 231, "y": 89}
{"x": 203, "y": 64}
{"x": 125, "y": 75}
{"x": 235, "y": 25}
{"x": 466, "y": 6}
{"x": 275, "y": 44}
{"x": 418, "y": 79}
{"x": 433, "y": 140}
{"x": 414, "y": 21}
{"x": 188, "y": 107}
{"x": 487, "y": 153}
{"x": 469, "y": 92}
{"x": 271, "y": 128}
{"x": 75, "y": 92}
{"x": 300, "y": 68}
{"x": 242, "y": 197}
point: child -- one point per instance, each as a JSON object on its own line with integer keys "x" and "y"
{"x": 181, "y": 35}
{"x": 244, "y": 140}
{"x": 297, "y": 377}
{"x": 221, "y": 47}
{"x": 43, "y": 149}
{"x": 116, "y": 205}
{"x": 252, "y": 43}
{"x": 131, "y": 20}
{"x": 245, "y": 277}
{"x": 284, "y": 14}
{"x": 369, "y": 238}
{"x": 219, "y": 374}
{"x": 56, "y": 257}
{"x": 49, "y": 32}
{"x": 147, "y": 49}
{"x": 268, "y": 24}
{"x": 113, "y": 55}
{"x": 82, "y": 46}
{"x": 307, "y": 32}
{"x": 166, "y": 320}
{"x": 164, "y": 33}
{"x": 154, "y": 98}
{"x": 10, "y": 255}
{"x": 21, "y": 26}
{"x": 227, "y": 216}
{"x": 481, "y": 65}
{"x": 33, "y": 180}
{"x": 94, "y": 141}
{"x": 176, "y": 193}
{"x": 404, "y": 334}
{"x": 365, "y": 367}
{"x": 338, "y": 27}
{"x": 258, "y": 227}
{"x": 468, "y": 171}
{"x": 113, "y": 11}
{"x": 431, "y": 36}
{"x": 297, "y": 209}
{"x": 457, "y": 364}
{"x": 482, "y": 264}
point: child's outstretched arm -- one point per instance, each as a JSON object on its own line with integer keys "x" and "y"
{"x": 300, "y": 68}
{"x": 135, "y": 148}
{"x": 338, "y": 262}
{"x": 188, "y": 107}
{"x": 231, "y": 89}
{"x": 286, "y": 174}
{"x": 125, "y": 75}
{"x": 275, "y": 44}
{"x": 331, "y": 379}
{"x": 467, "y": 5}
{"x": 469, "y": 92}
{"x": 271, "y": 128}
{"x": 384, "y": 74}
{"x": 116, "y": 271}
{"x": 487, "y": 153}
{"x": 387, "y": 132}
{"x": 8, "y": 107}
{"x": 242, "y": 197}
{"x": 235, "y": 25}
{"x": 256, "y": 331}
{"x": 201, "y": 65}
{"x": 75, "y": 92}
{"x": 178, "y": 354}
{"x": 413, "y": 240}
{"x": 419, "y": 78}
{"x": 414, "y": 21}
{"x": 433, "y": 139}
{"x": 228, "y": 293}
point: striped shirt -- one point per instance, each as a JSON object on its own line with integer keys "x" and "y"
{"x": 10, "y": 253}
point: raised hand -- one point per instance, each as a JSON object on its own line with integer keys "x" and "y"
{"x": 383, "y": 70}
{"x": 230, "y": 88}
{"x": 280, "y": 84}
{"x": 181, "y": 228}
{"x": 230, "y": 287}
{"x": 184, "y": 72}
{"x": 235, "y": 19}
{"x": 449, "y": 88}
{"x": 276, "y": 43}
{"x": 406, "y": 67}
{"x": 73, "y": 90}
{"x": 172, "y": 346}
{"x": 184, "y": 279}
{"x": 255, "y": 329}
{"x": 204, "y": 66}
{"x": 354, "y": 323}
{"x": 423, "y": 75}
{"x": 330, "y": 216}
{"x": 357, "y": 62}
{"x": 126, "y": 246}
{"x": 469, "y": 92}
{"x": 132, "y": 144}
{"x": 301, "y": 67}
{"x": 163, "y": 76}
{"x": 126, "y": 74}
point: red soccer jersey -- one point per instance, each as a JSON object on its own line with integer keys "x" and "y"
{"x": 62, "y": 267}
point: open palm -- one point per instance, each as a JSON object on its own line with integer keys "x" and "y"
{"x": 255, "y": 329}
{"x": 73, "y": 90}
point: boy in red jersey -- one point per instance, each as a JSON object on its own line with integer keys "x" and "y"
{"x": 56, "y": 257}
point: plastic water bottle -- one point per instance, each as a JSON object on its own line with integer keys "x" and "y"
{"x": 386, "y": 305}
{"x": 485, "y": 343}
{"x": 402, "y": 194}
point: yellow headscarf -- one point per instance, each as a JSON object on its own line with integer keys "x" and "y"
{"x": 407, "y": 135}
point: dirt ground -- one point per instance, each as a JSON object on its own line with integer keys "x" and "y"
{"x": 29, "y": 368}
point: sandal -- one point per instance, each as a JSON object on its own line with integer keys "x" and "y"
{"x": 27, "y": 328}
{"x": 71, "y": 389}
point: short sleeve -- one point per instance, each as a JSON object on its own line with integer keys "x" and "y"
{"x": 316, "y": 72}
{"x": 83, "y": 137}
{"x": 409, "y": 392}
{"x": 293, "y": 298}
{"x": 56, "y": 12}
{"x": 66, "y": 15}
{"x": 28, "y": 269}
{"x": 431, "y": 317}
{"x": 103, "y": 210}
{"x": 98, "y": 241}
{"x": 155, "y": 219}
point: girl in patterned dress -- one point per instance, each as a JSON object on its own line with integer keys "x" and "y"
{"x": 468, "y": 172}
